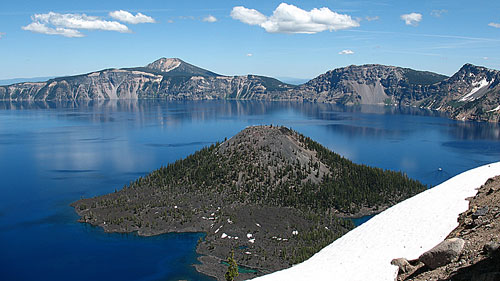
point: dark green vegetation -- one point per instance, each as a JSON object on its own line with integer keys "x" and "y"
{"x": 232, "y": 270}
{"x": 272, "y": 195}
{"x": 415, "y": 77}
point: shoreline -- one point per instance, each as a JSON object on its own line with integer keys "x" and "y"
{"x": 210, "y": 265}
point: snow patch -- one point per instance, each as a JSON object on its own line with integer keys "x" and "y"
{"x": 405, "y": 230}
{"x": 494, "y": 109}
{"x": 477, "y": 86}
{"x": 218, "y": 229}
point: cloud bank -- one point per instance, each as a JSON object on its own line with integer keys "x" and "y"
{"x": 372, "y": 18}
{"x": 210, "y": 18}
{"x": 288, "y": 18}
{"x": 70, "y": 25}
{"x": 127, "y": 17}
{"x": 412, "y": 19}
{"x": 494, "y": 24}
{"x": 438, "y": 13}
{"x": 346, "y": 52}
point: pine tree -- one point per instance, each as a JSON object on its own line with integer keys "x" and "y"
{"x": 232, "y": 271}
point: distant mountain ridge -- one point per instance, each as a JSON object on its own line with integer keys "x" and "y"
{"x": 22, "y": 80}
{"x": 473, "y": 93}
{"x": 164, "y": 78}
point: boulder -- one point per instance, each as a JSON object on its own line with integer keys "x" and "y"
{"x": 480, "y": 212}
{"x": 444, "y": 253}
{"x": 492, "y": 249}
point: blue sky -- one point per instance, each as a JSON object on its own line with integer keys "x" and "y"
{"x": 299, "y": 39}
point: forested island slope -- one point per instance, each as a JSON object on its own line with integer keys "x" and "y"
{"x": 273, "y": 195}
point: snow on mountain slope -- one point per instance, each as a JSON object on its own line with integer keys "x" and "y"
{"x": 477, "y": 86}
{"x": 405, "y": 230}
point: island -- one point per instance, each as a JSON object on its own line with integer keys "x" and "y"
{"x": 270, "y": 194}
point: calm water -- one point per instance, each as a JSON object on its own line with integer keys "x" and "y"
{"x": 53, "y": 154}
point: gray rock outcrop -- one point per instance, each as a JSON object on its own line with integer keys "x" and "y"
{"x": 444, "y": 253}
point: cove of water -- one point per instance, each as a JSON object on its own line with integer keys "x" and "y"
{"x": 52, "y": 154}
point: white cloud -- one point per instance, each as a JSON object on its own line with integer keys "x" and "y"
{"x": 494, "y": 24}
{"x": 127, "y": 17}
{"x": 210, "y": 18}
{"x": 291, "y": 19}
{"x": 79, "y": 22}
{"x": 38, "y": 27}
{"x": 412, "y": 19}
{"x": 346, "y": 52}
{"x": 248, "y": 16}
{"x": 372, "y": 18}
{"x": 68, "y": 25}
{"x": 438, "y": 13}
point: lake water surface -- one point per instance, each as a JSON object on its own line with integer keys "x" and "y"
{"x": 54, "y": 154}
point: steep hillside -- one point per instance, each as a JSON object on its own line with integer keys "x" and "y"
{"x": 164, "y": 78}
{"x": 407, "y": 230}
{"x": 473, "y": 93}
{"x": 479, "y": 227}
{"x": 271, "y": 194}
{"x": 369, "y": 84}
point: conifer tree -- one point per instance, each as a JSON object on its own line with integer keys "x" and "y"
{"x": 232, "y": 271}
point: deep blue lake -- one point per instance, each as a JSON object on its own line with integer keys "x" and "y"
{"x": 53, "y": 154}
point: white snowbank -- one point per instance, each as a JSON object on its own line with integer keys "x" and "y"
{"x": 405, "y": 230}
{"x": 477, "y": 86}
{"x": 494, "y": 109}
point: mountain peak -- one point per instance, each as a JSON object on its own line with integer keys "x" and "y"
{"x": 165, "y": 64}
{"x": 178, "y": 67}
{"x": 468, "y": 67}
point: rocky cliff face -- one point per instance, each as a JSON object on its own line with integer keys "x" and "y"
{"x": 471, "y": 94}
{"x": 164, "y": 78}
{"x": 369, "y": 84}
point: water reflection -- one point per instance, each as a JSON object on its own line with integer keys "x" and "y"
{"x": 53, "y": 153}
